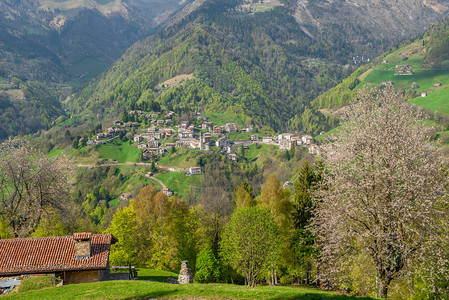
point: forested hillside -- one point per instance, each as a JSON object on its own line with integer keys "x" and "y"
{"x": 241, "y": 58}
{"x": 437, "y": 46}
{"x": 27, "y": 107}
{"x": 61, "y": 45}
{"x": 262, "y": 65}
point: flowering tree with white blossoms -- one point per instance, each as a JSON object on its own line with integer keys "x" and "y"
{"x": 384, "y": 192}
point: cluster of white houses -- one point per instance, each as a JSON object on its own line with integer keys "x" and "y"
{"x": 158, "y": 137}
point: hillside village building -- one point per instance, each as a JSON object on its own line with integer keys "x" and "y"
{"x": 77, "y": 258}
{"x": 307, "y": 139}
{"x": 230, "y": 127}
{"x": 168, "y": 192}
{"x": 195, "y": 170}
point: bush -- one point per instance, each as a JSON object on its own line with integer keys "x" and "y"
{"x": 286, "y": 279}
{"x": 37, "y": 283}
{"x": 207, "y": 266}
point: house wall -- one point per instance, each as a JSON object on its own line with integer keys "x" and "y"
{"x": 85, "y": 276}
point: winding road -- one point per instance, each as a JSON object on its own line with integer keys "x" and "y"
{"x": 169, "y": 169}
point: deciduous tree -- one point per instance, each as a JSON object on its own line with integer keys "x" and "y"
{"x": 384, "y": 191}
{"x": 249, "y": 242}
{"x": 31, "y": 184}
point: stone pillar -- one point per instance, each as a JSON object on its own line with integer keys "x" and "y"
{"x": 185, "y": 276}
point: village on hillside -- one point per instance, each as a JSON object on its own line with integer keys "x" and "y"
{"x": 165, "y": 132}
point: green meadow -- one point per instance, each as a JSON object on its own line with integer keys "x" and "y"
{"x": 136, "y": 289}
{"x": 180, "y": 183}
{"x": 120, "y": 152}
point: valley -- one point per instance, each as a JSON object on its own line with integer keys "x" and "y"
{"x": 225, "y": 133}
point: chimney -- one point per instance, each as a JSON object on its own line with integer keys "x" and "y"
{"x": 82, "y": 245}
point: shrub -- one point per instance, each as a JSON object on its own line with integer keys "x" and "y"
{"x": 207, "y": 266}
{"x": 286, "y": 279}
{"x": 37, "y": 283}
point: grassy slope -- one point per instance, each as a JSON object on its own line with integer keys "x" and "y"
{"x": 424, "y": 78}
{"x": 178, "y": 160}
{"x": 436, "y": 101}
{"x": 438, "y": 97}
{"x": 241, "y": 136}
{"x": 254, "y": 154}
{"x": 179, "y": 183}
{"x": 120, "y": 152}
{"x": 146, "y": 290}
{"x": 221, "y": 119}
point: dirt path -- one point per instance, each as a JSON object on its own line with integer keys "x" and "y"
{"x": 160, "y": 182}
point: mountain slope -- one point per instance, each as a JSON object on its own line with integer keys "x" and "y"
{"x": 257, "y": 65}
{"x": 425, "y": 76}
{"x": 369, "y": 26}
{"x": 253, "y": 58}
{"x": 60, "y": 35}
{"x": 62, "y": 45}
{"x": 26, "y": 107}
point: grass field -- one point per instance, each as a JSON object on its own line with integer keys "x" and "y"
{"x": 222, "y": 119}
{"x": 241, "y": 136}
{"x": 56, "y": 152}
{"x": 415, "y": 53}
{"x": 179, "y": 183}
{"x": 155, "y": 275}
{"x": 424, "y": 78}
{"x": 120, "y": 152}
{"x": 155, "y": 290}
{"x": 322, "y": 137}
{"x": 178, "y": 160}
{"x": 253, "y": 153}
{"x": 436, "y": 101}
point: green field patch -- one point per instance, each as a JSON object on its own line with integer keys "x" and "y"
{"x": 155, "y": 275}
{"x": 241, "y": 136}
{"x": 221, "y": 119}
{"x": 363, "y": 76}
{"x": 151, "y": 274}
{"x": 176, "y": 160}
{"x": 120, "y": 152}
{"x": 424, "y": 78}
{"x": 114, "y": 203}
{"x": 413, "y": 52}
{"x": 436, "y": 101}
{"x": 131, "y": 289}
{"x": 180, "y": 183}
{"x": 322, "y": 137}
{"x": 56, "y": 152}
{"x": 255, "y": 151}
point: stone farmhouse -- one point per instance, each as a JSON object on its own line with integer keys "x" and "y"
{"x": 78, "y": 258}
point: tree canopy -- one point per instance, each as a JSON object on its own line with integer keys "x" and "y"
{"x": 383, "y": 192}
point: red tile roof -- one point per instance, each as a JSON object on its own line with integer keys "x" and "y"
{"x": 82, "y": 236}
{"x": 52, "y": 254}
